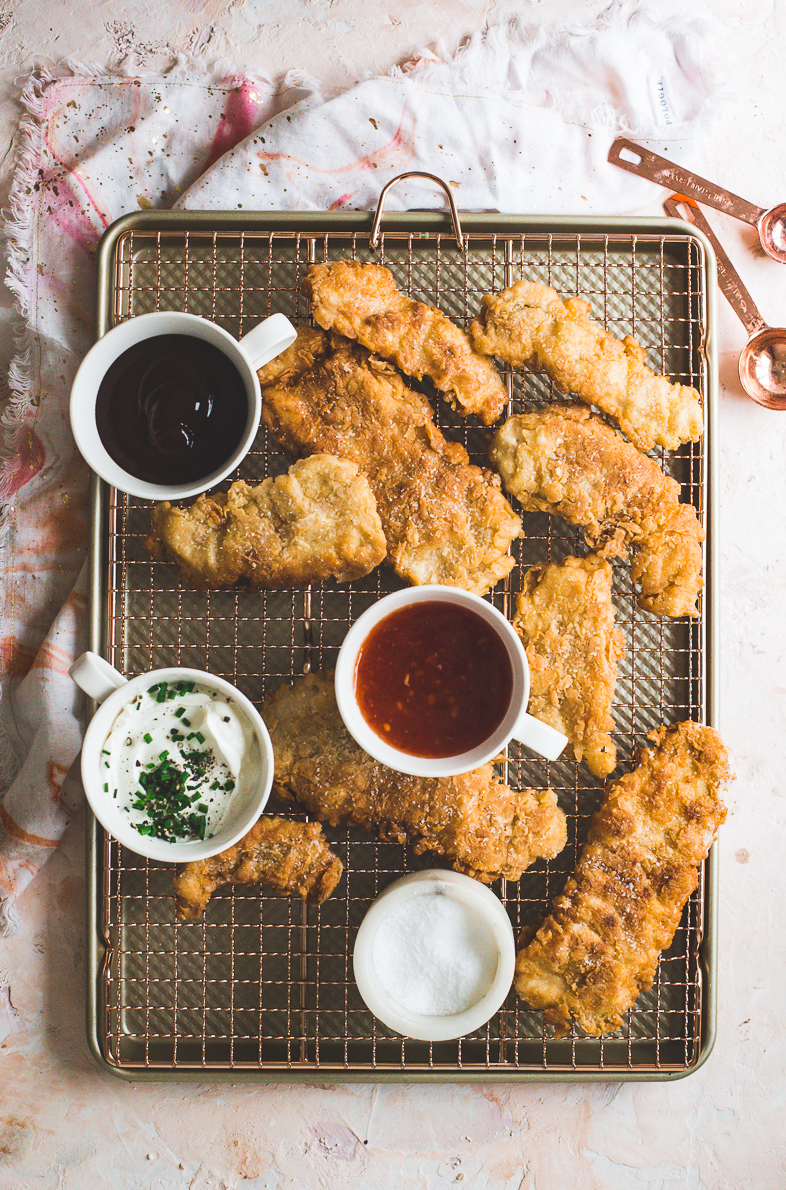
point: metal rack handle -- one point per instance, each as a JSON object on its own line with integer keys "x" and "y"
{"x": 416, "y": 173}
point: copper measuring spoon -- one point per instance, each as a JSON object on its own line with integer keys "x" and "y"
{"x": 770, "y": 224}
{"x": 763, "y": 358}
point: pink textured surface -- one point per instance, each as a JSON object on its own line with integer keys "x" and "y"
{"x": 65, "y": 1124}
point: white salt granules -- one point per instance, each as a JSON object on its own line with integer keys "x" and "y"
{"x": 434, "y": 955}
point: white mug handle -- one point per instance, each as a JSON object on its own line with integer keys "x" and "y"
{"x": 538, "y": 736}
{"x": 96, "y": 676}
{"x": 267, "y": 340}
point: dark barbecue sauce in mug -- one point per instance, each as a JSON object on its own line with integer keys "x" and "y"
{"x": 171, "y": 409}
{"x": 433, "y": 679}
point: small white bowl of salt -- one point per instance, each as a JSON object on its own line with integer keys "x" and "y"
{"x": 434, "y": 956}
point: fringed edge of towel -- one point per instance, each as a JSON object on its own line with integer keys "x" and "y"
{"x": 17, "y": 227}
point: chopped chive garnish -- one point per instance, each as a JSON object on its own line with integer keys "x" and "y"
{"x": 161, "y": 695}
{"x": 104, "y": 752}
{"x": 179, "y": 711}
{"x": 147, "y": 738}
{"x": 200, "y": 737}
{"x": 169, "y": 797}
{"x": 163, "y": 755}
{"x": 186, "y": 722}
{"x": 106, "y": 787}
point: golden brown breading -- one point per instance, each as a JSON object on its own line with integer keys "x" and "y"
{"x": 599, "y": 945}
{"x": 565, "y": 618}
{"x": 480, "y": 825}
{"x": 565, "y": 460}
{"x": 529, "y": 324}
{"x": 318, "y": 521}
{"x": 445, "y": 520}
{"x": 289, "y": 857}
{"x": 362, "y": 302}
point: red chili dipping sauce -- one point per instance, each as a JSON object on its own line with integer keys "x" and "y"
{"x": 433, "y": 679}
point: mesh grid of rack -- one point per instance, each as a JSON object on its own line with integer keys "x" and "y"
{"x": 262, "y": 983}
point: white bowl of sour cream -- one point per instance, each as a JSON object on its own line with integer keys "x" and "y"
{"x": 177, "y": 764}
{"x": 435, "y": 955}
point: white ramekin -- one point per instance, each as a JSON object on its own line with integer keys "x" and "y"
{"x": 102, "y": 682}
{"x": 492, "y": 912}
{"x": 258, "y": 347}
{"x": 516, "y": 724}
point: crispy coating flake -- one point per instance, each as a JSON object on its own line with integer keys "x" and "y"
{"x": 289, "y": 857}
{"x": 599, "y": 945}
{"x": 362, "y": 302}
{"x": 565, "y": 618}
{"x": 565, "y": 460}
{"x": 318, "y": 521}
{"x": 445, "y": 520}
{"x": 476, "y": 822}
{"x": 528, "y": 324}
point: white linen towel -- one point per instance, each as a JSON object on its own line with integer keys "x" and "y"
{"x": 520, "y": 120}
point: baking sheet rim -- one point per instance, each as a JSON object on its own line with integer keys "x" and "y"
{"x": 320, "y": 223}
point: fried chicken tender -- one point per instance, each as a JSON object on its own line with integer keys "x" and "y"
{"x": 599, "y": 945}
{"x": 565, "y": 618}
{"x": 289, "y": 857}
{"x": 481, "y": 826}
{"x": 318, "y": 521}
{"x": 528, "y": 324}
{"x": 445, "y": 520}
{"x": 565, "y": 460}
{"x": 362, "y": 302}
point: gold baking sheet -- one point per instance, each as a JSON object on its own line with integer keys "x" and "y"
{"x": 263, "y": 984}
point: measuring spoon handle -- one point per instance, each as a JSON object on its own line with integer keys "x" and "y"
{"x": 658, "y": 169}
{"x": 729, "y": 280}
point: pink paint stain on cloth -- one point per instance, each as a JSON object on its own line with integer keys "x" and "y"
{"x": 64, "y": 207}
{"x": 342, "y": 201}
{"x": 238, "y": 120}
{"x": 27, "y": 460}
{"x": 400, "y": 148}
{"x": 70, "y": 201}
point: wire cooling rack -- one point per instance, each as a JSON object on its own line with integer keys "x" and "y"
{"x": 263, "y": 983}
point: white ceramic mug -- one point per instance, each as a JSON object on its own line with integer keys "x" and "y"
{"x": 255, "y": 349}
{"x": 516, "y": 723}
{"x": 108, "y": 687}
